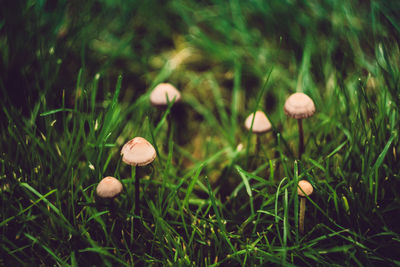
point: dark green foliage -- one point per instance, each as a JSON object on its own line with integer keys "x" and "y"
{"x": 75, "y": 77}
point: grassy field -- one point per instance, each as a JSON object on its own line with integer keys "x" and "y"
{"x": 75, "y": 79}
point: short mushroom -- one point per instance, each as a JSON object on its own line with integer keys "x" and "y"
{"x": 304, "y": 188}
{"x": 138, "y": 152}
{"x": 261, "y": 123}
{"x": 299, "y": 106}
{"x": 109, "y": 187}
{"x": 258, "y": 123}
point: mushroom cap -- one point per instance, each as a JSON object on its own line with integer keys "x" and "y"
{"x": 306, "y": 187}
{"x": 138, "y": 152}
{"x": 261, "y": 123}
{"x": 299, "y": 106}
{"x": 109, "y": 187}
{"x": 161, "y": 92}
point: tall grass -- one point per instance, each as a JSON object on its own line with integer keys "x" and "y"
{"x": 76, "y": 87}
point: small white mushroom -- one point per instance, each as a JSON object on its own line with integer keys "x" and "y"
{"x": 304, "y": 188}
{"x": 138, "y": 152}
{"x": 299, "y": 106}
{"x": 161, "y": 96}
{"x": 261, "y": 123}
{"x": 109, "y": 187}
{"x": 164, "y": 93}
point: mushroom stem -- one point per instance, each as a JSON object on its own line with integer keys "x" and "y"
{"x": 301, "y": 214}
{"x": 258, "y": 145}
{"x": 168, "y": 132}
{"x": 137, "y": 190}
{"x": 113, "y": 209}
{"x": 301, "y": 137}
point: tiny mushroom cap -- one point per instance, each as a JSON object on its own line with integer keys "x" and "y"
{"x": 138, "y": 152}
{"x": 109, "y": 187}
{"x": 306, "y": 187}
{"x": 299, "y": 106}
{"x": 261, "y": 123}
{"x": 161, "y": 92}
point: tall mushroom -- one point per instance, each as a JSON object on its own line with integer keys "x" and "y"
{"x": 299, "y": 106}
{"x": 258, "y": 123}
{"x": 161, "y": 96}
{"x": 304, "y": 188}
{"x": 138, "y": 152}
{"x": 164, "y": 93}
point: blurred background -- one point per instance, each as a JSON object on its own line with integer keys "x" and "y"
{"x": 309, "y": 44}
{"x": 223, "y": 56}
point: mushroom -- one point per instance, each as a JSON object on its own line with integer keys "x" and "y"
{"x": 304, "y": 188}
{"x": 258, "y": 123}
{"x": 138, "y": 152}
{"x": 161, "y": 96}
{"x": 109, "y": 187}
{"x": 261, "y": 123}
{"x": 164, "y": 93}
{"x": 299, "y": 106}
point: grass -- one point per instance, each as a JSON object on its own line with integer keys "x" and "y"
{"x": 75, "y": 82}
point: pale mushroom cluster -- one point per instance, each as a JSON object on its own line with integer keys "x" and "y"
{"x": 139, "y": 152}
{"x": 136, "y": 152}
{"x": 298, "y": 106}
